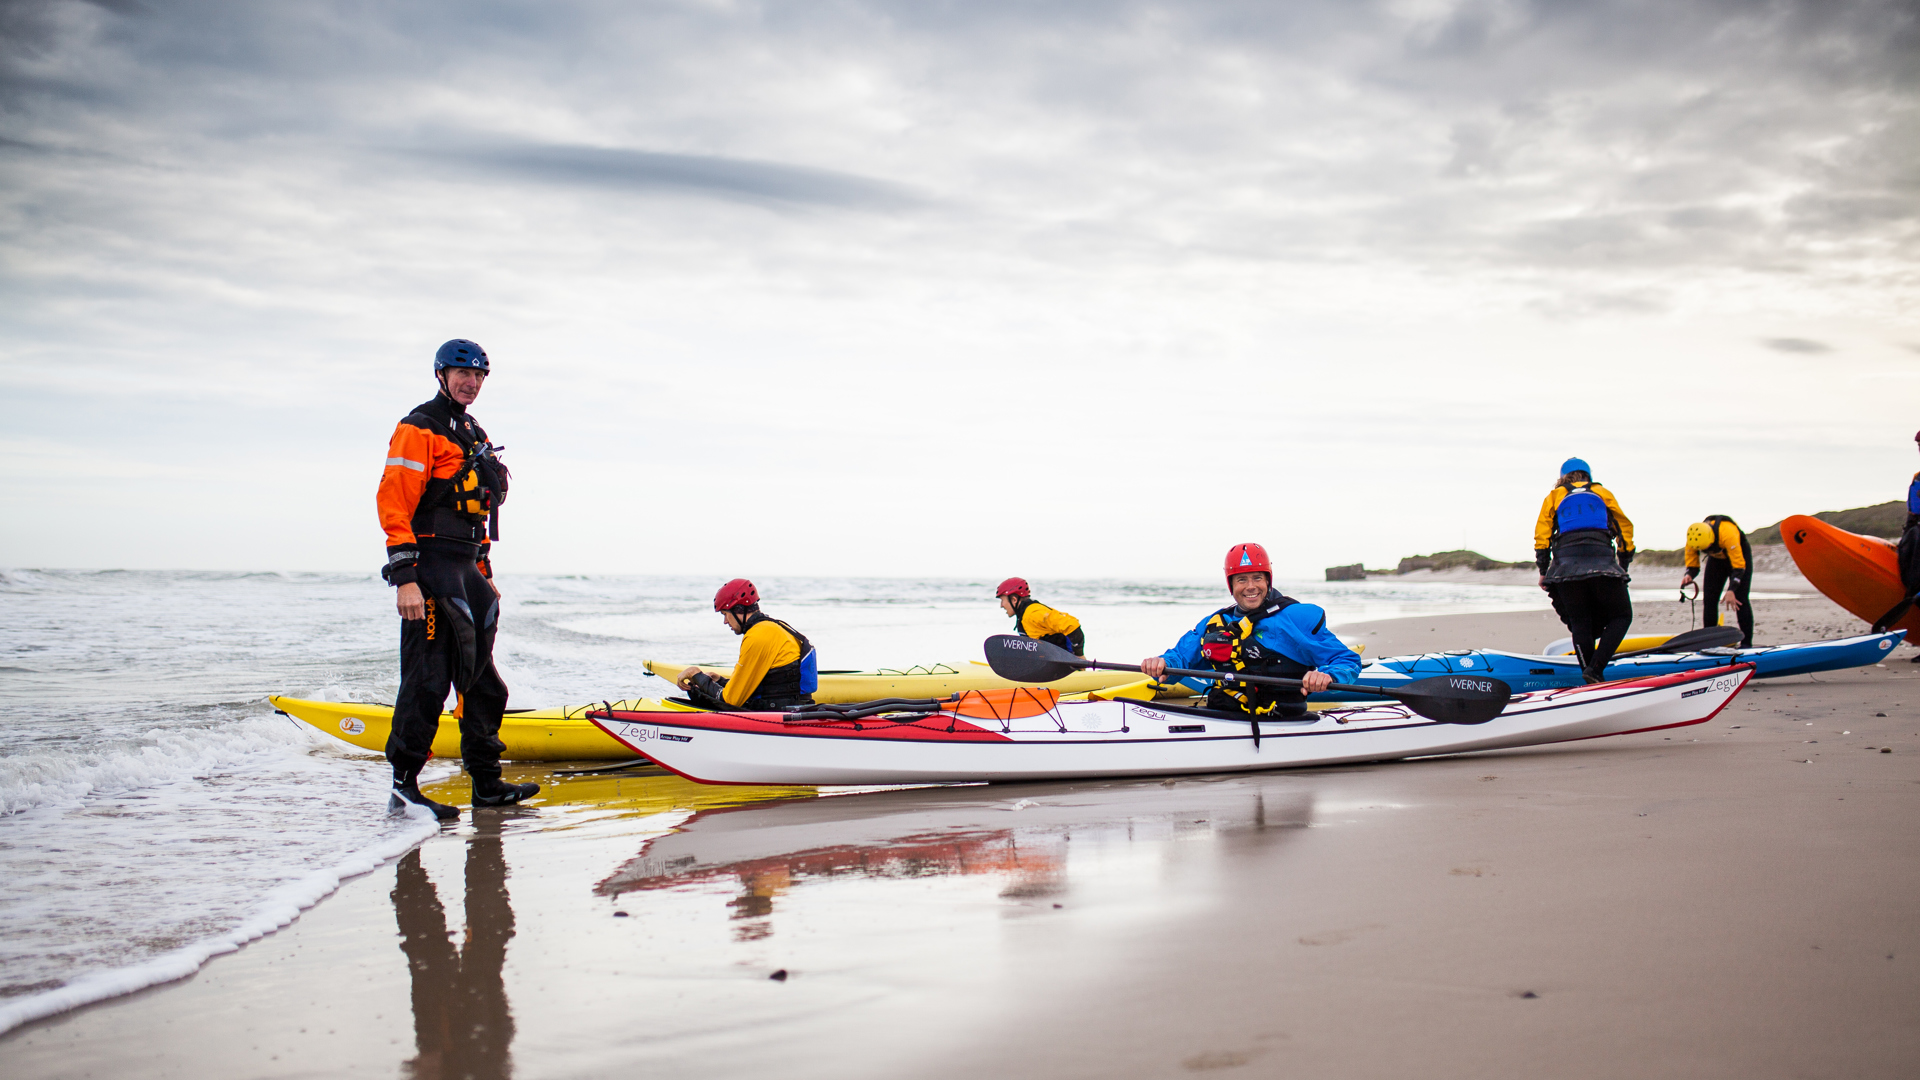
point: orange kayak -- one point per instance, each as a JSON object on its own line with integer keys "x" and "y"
{"x": 1860, "y": 573}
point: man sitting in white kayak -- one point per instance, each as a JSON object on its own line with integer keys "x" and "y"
{"x": 1262, "y": 633}
{"x": 776, "y": 670}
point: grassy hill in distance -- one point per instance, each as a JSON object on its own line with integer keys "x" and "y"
{"x": 1882, "y": 519}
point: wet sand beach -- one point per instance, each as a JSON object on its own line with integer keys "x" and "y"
{"x": 1736, "y": 899}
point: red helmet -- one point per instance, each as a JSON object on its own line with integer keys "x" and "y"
{"x": 1248, "y": 559}
{"x": 1013, "y": 586}
{"x": 736, "y": 593}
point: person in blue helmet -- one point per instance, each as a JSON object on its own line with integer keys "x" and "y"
{"x": 1261, "y": 633}
{"x": 439, "y": 503}
{"x": 1583, "y": 544}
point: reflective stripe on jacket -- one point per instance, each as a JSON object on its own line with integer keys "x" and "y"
{"x": 416, "y": 498}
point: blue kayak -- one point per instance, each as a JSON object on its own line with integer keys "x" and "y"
{"x": 1524, "y": 672}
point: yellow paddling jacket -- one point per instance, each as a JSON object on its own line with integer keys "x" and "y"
{"x": 1550, "y": 524}
{"x": 1727, "y": 544}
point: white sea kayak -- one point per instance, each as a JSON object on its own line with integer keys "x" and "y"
{"x": 1030, "y": 734}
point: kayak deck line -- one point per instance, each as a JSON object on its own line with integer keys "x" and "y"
{"x": 1129, "y": 738}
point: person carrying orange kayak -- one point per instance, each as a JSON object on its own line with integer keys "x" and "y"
{"x": 777, "y": 668}
{"x": 1038, "y": 621}
{"x": 1729, "y": 557}
{"x": 1908, "y": 552}
{"x": 1583, "y": 544}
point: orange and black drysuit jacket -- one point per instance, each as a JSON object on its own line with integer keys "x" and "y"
{"x": 1729, "y": 546}
{"x": 440, "y": 486}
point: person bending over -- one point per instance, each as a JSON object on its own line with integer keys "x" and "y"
{"x": 1729, "y": 557}
{"x": 1583, "y": 545}
{"x": 1038, "y": 621}
{"x": 776, "y": 670}
{"x": 1261, "y": 633}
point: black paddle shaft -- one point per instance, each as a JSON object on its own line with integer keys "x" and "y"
{"x": 1263, "y": 680}
{"x": 1454, "y": 699}
{"x": 1707, "y": 637}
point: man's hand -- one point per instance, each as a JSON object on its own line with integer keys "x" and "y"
{"x": 1154, "y": 666}
{"x": 1732, "y": 601}
{"x": 1315, "y": 681}
{"x": 686, "y": 677}
{"x": 411, "y": 602}
{"x": 1543, "y": 583}
{"x": 1686, "y": 579}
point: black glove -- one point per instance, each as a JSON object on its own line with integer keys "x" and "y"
{"x": 1626, "y": 559}
{"x": 402, "y": 568}
{"x": 704, "y": 690}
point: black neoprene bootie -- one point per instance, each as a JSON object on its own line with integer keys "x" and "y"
{"x": 407, "y": 799}
{"x": 493, "y": 791}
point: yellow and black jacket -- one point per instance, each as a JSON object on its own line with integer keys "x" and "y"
{"x": 769, "y": 671}
{"x": 439, "y": 487}
{"x": 1579, "y": 531}
{"x": 1729, "y": 546}
{"x": 1036, "y": 620}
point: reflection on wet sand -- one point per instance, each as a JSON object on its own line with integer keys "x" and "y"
{"x": 637, "y": 791}
{"x": 772, "y": 849}
{"x": 462, "y": 1026}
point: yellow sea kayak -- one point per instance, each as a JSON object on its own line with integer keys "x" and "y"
{"x": 530, "y": 734}
{"x": 1564, "y": 646}
{"x": 931, "y": 681}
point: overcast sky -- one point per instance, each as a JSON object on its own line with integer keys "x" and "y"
{"x": 981, "y": 288}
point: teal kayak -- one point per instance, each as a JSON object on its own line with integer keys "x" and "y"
{"x": 1524, "y": 672}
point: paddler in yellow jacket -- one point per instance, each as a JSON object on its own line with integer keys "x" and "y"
{"x": 1729, "y": 565}
{"x": 776, "y": 669}
{"x": 1038, "y": 621}
{"x": 1583, "y": 545}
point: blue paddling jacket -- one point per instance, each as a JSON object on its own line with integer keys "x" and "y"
{"x": 1295, "y": 631}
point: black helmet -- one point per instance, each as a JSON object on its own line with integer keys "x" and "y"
{"x": 460, "y": 353}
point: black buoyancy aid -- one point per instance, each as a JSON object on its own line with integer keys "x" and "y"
{"x": 1230, "y": 643}
{"x": 1075, "y": 643}
{"x": 781, "y": 686}
{"x": 1717, "y": 550}
{"x": 460, "y": 507}
{"x": 1582, "y": 515}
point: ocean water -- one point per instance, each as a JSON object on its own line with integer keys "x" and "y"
{"x": 155, "y": 811}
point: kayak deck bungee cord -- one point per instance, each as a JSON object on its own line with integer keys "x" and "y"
{"x": 1044, "y": 737}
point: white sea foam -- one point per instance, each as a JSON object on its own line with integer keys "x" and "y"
{"x": 279, "y": 907}
{"x": 154, "y": 813}
{"x": 62, "y": 776}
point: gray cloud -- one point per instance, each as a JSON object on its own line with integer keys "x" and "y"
{"x": 1804, "y": 346}
{"x": 761, "y": 182}
{"x": 1532, "y": 142}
